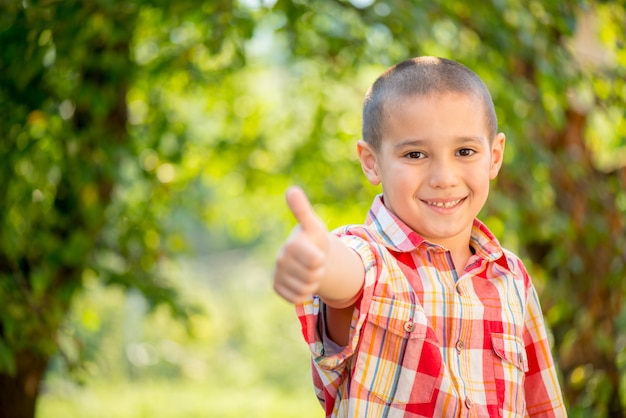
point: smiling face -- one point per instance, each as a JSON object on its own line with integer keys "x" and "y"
{"x": 435, "y": 163}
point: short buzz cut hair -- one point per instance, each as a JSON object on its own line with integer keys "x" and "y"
{"x": 421, "y": 76}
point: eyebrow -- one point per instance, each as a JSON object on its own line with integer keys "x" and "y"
{"x": 418, "y": 143}
{"x": 461, "y": 140}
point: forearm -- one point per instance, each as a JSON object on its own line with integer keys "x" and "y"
{"x": 344, "y": 273}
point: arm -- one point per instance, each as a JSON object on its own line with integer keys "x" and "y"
{"x": 543, "y": 392}
{"x": 312, "y": 261}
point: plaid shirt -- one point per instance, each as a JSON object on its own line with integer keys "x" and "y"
{"x": 426, "y": 342}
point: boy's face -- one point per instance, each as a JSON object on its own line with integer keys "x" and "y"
{"x": 435, "y": 163}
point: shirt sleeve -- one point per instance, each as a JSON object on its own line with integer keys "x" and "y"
{"x": 331, "y": 363}
{"x": 543, "y": 392}
{"x": 330, "y": 347}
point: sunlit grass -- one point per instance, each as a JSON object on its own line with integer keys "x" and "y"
{"x": 177, "y": 399}
{"x": 243, "y": 357}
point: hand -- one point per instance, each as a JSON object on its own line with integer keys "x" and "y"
{"x": 300, "y": 264}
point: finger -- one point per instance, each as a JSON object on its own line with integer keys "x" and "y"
{"x": 300, "y": 250}
{"x": 293, "y": 290}
{"x": 301, "y": 208}
{"x": 288, "y": 295}
{"x": 300, "y": 260}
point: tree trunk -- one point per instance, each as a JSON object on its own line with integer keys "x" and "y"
{"x": 18, "y": 394}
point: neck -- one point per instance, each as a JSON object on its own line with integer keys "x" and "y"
{"x": 460, "y": 258}
{"x": 460, "y": 250}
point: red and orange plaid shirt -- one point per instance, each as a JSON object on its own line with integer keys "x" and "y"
{"x": 426, "y": 341}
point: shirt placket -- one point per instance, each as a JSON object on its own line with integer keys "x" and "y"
{"x": 474, "y": 402}
{"x": 453, "y": 343}
{"x": 459, "y": 333}
{"x": 462, "y": 346}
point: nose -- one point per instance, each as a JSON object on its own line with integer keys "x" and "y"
{"x": 443, "y": 174}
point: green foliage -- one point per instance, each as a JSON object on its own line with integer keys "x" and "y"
{"x": 125, "y": 124}
{"x": 128, "y": 362}
{"x": 88, "y": 188}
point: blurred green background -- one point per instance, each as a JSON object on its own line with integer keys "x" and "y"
{"x": 145, "y": 147}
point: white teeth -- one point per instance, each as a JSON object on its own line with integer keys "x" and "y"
{"x": 445, "y": 204}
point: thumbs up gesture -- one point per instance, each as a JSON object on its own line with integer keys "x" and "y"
{"x": 301, "y": 262}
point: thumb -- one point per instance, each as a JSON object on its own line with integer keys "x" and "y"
{"x": 301, "y": 208}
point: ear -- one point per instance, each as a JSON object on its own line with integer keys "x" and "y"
{"x": 367, "y": 155}
{"x": 497, "y": 155}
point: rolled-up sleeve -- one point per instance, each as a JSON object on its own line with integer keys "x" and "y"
{"x": 331, "y": 367}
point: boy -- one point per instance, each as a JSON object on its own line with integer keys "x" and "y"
{"x": 420, "y": 312}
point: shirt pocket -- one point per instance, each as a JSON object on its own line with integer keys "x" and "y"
{"x": 398, "y": 360}
{"x": 511, "y": 349}
{"x": 510, "y": 367}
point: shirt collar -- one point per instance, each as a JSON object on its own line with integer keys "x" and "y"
{"x": 398, "y": 236}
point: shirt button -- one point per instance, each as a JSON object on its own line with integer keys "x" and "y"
{"x": 460, "y": 345}
{"x": 409, "y": 326}
{"x": 468, "y": 403}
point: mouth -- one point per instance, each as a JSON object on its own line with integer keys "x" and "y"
{"x": 447, "y": 204}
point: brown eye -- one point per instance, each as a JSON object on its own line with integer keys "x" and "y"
{"x": 465, "y": 152}
{"x": 415, "y": 155}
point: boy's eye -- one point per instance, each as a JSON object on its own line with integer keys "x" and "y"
{"x": 415, "y": 154}
{"x": 465, "y": 152}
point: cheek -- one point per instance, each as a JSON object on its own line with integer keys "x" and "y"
{"x": 482, "y": 171}
{"x": 479, "y": 178}
{"x": 403, "y": 182}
